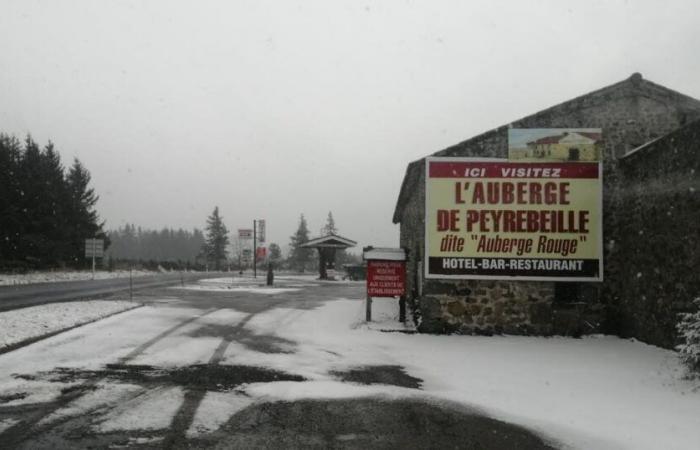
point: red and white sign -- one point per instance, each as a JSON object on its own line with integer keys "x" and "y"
{"x": 386, "y": 278}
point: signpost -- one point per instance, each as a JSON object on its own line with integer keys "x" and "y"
{"x": 94, "y": 248}
{"x": 261, "y": 231}
{"x": 386, "y": 277}
{"x": 258, "y": 236}
{"x": 500, "y": 219}
{"x": 245, "y": 234}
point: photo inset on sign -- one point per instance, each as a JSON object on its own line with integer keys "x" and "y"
{"x": 555, "y": 144}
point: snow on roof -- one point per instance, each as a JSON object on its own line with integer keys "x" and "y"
{"x": 331, "y": 240}
{"x": 384, "y": 253}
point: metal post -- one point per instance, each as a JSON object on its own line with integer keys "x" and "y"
{"x": 94, "y": 247}
{"x": 255, "y": 249}
{"x": 368, "y": 313}
{"x": 402, "y": 309}
{"x": 131, "y": 284}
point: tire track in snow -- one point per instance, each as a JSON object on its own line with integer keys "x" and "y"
{"x": 27, "y": 427}
{"x": 177, "y": 434}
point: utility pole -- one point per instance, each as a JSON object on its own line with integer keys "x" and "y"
{"x": 255, "y": 248}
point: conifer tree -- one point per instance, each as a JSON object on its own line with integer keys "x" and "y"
{"x": 329, "y": 227}
{"x": 44, "y": 213}
{"x": 216, "y": 240}
{"x": 275, "y": 252}
{"x": 300, "y": 257}
{"x": 82, "y": 216}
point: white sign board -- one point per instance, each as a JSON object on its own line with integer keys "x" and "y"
{"x": 94, "y": 248}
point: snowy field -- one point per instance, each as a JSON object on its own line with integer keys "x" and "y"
{"x": 27, "y": 323}
{"x": 56, "y": 276}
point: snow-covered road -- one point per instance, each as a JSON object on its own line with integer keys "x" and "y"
{"x": 203, "y": 365}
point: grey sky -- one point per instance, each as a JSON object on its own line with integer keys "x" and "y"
{"x": 272, "y": 109}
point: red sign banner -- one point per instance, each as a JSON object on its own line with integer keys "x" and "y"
{"x": 386, "y": 278}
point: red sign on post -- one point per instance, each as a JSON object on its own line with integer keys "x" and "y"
{"x": 386, "y": 278}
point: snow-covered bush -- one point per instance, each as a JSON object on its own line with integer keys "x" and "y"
{"x": 689, "y": 331}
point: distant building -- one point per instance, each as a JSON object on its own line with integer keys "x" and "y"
{"x": 651, "y": 163}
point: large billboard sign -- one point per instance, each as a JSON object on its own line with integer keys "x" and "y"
{"x": 500, "y": 219}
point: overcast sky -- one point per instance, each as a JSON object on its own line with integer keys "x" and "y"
{"x": 270, "y": 109}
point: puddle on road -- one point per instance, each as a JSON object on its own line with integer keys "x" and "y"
{"x": 387, "y": 374}
{"x": 207, "y": 377}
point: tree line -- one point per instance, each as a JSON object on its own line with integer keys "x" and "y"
{"x": 46, "y": 210}
{"x": 132, "y": 243}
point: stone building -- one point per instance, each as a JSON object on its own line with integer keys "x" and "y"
{"x": 650, "y": 221}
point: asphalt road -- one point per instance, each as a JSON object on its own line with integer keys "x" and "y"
{"x": 152, "y": 377}
{"x": 20, "y": 296}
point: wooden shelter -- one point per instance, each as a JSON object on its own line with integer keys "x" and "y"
{"x": 327, "y": 246}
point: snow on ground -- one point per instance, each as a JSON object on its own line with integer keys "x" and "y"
{"x": 26, "y": 323}
{"x": 237, "y": 284}
{"x": 193, "y": 343}
{"x": 7, "y": 423}
{"x": 215, "y": 410}
{"x": 102, "y": 394}
{"x": 55, "y": 276}
{"x": 238, "y": 289}
{"x": 154, "y": 410}
{"x": 88, "y": 347}
{"x": 598, "y": 392}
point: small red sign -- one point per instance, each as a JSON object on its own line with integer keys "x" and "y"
{"x": 386, "y": 278}
{"x": 262, "y": 252}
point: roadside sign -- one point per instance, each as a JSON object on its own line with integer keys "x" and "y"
{"x": 262, "y": 252}
{"x": 245, "y": 233}
{"x": 94, "y": 248}
{"x": 261, "y": 230}
{"x": 386, "y": 278}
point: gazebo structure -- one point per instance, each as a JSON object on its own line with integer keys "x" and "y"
{"x": 326, "y": 246}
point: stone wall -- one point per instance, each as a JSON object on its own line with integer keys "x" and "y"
{"x": 630, "y": 113}
{"x": 659, "y": 220}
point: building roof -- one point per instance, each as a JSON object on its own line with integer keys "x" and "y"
{"x": 557, "y": 138}
{"x": 329, "y": 241}
{"x": 655, "y": 144}
{"x": 634, "y": 86}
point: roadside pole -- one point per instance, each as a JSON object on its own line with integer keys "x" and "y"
{"x": 131, "y": 283}
{"x": 255, "y": 249}
{"x": 94, "y": 245}
{"x": 368, "y": 311}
